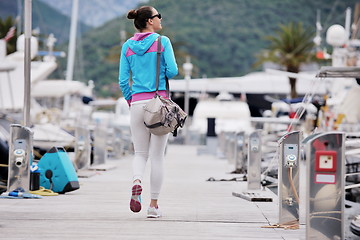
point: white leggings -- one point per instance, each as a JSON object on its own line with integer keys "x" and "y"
{"x": 147, "y": 145}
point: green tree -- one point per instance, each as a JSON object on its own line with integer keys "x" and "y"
{"x": 5, "y": 26}
{"x": 291, "y": 46}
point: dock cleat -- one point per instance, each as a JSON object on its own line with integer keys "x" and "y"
{"x": 355, "y": 225}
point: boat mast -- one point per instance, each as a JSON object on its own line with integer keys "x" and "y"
{"x": 71, "y": 51}
{"x": 348, "y": 23}
{"x": 317, "y": 39}
{"x": 18, "y": 18}
{"x": 355, "y": 25}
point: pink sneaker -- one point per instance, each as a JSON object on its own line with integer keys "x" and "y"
{"x": 135, "y": 202}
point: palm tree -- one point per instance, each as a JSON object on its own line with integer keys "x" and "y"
{"x": 290, "y": 47}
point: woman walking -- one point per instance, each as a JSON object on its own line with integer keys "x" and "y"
{"x": 138, "y": 58}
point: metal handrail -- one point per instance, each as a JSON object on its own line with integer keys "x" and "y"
{"x": 339, "y": 72}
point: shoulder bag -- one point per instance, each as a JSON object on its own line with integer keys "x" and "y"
{"x": 162, "y": 115}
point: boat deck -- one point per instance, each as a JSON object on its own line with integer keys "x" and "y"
{"x": 192, "y": 207}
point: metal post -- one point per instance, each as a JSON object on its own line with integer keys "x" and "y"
{"x": 288, "y": 190}
{"x": 325, "y": 200}
{"x": 254, "y": 161}
{"x": 27, "y": 67}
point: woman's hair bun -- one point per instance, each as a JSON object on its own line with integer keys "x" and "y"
{"x": 132, "y": 14}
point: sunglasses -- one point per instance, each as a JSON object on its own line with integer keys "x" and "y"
{"x": 157, "y": 15}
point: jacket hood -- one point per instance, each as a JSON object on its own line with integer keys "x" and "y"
{"x": 141, "y": 42}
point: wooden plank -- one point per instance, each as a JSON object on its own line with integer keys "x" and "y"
{"x": 193, "y": 208}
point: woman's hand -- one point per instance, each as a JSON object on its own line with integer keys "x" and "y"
{"x": 129, "y": 102}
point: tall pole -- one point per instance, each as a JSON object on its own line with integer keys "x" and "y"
{"x": 317, "y": 39}
{"x": 187, "y": 66}
{"x": 348, "y": 23}
{"x": 71, "y": 51}
{"x": 122, "y": 37}
{"x": 27, "y": 67}
{"x": 18, "y": 18}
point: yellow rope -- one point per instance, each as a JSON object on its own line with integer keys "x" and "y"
{"x": 291, "y": 225}
{"x": 44, "y": 192}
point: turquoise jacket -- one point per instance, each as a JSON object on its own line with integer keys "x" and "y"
{"x": 138, "y": 58}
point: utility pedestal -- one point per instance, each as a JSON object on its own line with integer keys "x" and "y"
{"x": 254, "y": 161}
{"x": 325, "y": 189}
{"x": 288, "y": 176}
{"x": 20, "y": 156}
{"x": 254, "y": 193}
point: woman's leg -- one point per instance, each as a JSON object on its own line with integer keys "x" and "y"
{"x": 141, "y": 139}
{"x": 156, "y": 156}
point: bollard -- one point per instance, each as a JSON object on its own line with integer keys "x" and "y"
{"x": 101, "y": 143}
{"x": 325, "y": 195}
{"x": 288, "y": 176}
{"x": 82, "y": 148}
{"x": 230, "y": 147}
{"x": 20, "y": 156}
{"x": 117, "y": 145}
{"x": 222, "y": 144}
{"x": 211, "y": 139}
{"x": 254, "y": 161}
{"x": 100, "y": 151}
{"x": 239, "y": 155}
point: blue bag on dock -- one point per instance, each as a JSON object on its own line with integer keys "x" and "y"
{"x": 57, "y": 172}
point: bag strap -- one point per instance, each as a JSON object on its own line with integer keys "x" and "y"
{"x": 158, "y": 70}
{"x": 158, "y": 64}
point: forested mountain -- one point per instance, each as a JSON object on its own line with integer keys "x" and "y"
{"x": 222, "y": 37}
{"x": 94, "y": 12}
{"x": 45, "y": 18}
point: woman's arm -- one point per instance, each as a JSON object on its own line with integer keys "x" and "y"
{"x": 124, "y": 74}
{"x": 170, "y": 61}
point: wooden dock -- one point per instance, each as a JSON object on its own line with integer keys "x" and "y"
{"x": 192, "y": 207}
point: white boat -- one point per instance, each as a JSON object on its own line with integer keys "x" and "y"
{"x": 46, "y": 97}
